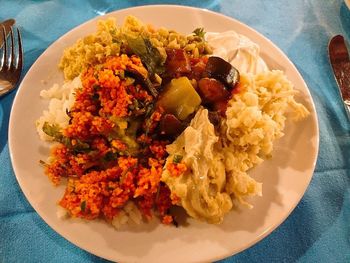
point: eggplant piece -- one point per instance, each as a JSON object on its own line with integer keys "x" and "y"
{"x": 220, "y": 107}
{"x": 177, "y": 62}
{"x": 170, "y": 125}
{"x": 144, "y": 81}
{"x": 214, "y": 117}
{"x": 220, "y": 69}
{"x": 212, "y": 90}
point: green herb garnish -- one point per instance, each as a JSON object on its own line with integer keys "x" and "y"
{"x": 110, "y": 156}
{"x": 95, "y": 97}
{"x": 83, "y": 206}
{"x": 54, "y": 131}
{"x": 199, "y": 32}
{"x": 42, "y": 162}
{"x": 177, "y": 158}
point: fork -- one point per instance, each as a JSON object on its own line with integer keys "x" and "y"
{"x": 11, "y": 62}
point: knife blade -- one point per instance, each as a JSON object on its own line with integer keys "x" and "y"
{"x": 7, "y": 24}
{"x": 340, "y": 61}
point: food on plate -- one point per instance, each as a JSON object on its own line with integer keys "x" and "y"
{"x": 110, "y": 40}
{"x": 217, "y": 162}
{"x": 179, "y": 89}
{"x": 237, "y": 49}
{"x": 149, "y": 119}
{"x": 200, "y": 188}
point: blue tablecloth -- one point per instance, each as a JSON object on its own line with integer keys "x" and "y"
{"x": 318, "y": 230}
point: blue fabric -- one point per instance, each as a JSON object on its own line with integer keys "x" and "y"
{"x": 318, "y": 230}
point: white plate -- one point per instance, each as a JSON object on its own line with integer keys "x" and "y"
{"x": 285, "y": 177}
{"x": 347, "y": 2}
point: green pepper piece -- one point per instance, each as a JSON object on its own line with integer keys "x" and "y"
{"x": 180, "y": 98}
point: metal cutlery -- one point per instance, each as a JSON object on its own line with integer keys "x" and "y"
{"x": 11, "y": 60}
{"x": 7, "y": 24}
{"x": 340, "y": 61}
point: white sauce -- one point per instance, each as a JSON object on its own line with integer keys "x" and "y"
{"x": 237, "y": 49}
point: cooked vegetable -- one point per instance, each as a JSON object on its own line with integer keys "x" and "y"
{"x": 212, "y": 90}
{"x": 144, "y": 80}
{"x": 53, "y": 130}
{"x": 179, "y": 98}
{"x": 170, "y": 125}
{"x": 83, "y": 206}
{"x": 214, "y": 117}
{"x": 125, "y": 132}
{"x": 220, "y": 107}
{"x": 197, "y": 68}
{"x": 220, "y": 69}
{"x": 177, "y": 158}
{"x": 149, "y": 54}
{"x": 199, "y": 32}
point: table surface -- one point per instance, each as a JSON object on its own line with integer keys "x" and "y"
{"x": 318, "y": 230}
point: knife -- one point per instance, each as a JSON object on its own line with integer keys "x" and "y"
{"x": 340, "y": 61}
{"x": 7, "y": 24}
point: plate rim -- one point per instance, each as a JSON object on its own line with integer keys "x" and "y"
{"x": 185, "y": 8}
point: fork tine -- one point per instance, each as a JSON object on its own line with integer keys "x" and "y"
{"x": 4, "y": 47}
{"x": 11, "y": 66}
{"x": 20, "y": 50}
{"x": 12, "y": 58}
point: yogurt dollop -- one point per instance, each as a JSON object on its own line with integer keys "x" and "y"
{"x": 237, "y": 49}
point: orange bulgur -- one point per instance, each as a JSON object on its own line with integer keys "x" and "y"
{"x": 175, "y": 199}
{"x": 176, "y": 169}
{"x": 167, "y": 220}
{"x": 107, "y": 165}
